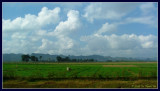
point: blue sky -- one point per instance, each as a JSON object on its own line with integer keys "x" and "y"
{"x": 108, "y": 29}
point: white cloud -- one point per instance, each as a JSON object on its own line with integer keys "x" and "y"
{"x": 29, "y": 34}
{"x": 62, "y": 32}
{"x": 18, "y": 46}
{"x": 66, "y": 27}
{"x": 148, "y": 15}
{"x": 111, "y": 11}
{"x": 41, "y": 32}
{"x": 22, "y": 40}
{"x": 47, "y": 16}
{"x": 115, "y": 44}
{"x": 106, "y": 28}
{"x": 32, "y": 22}
{"x": 149, "y": 41}
{"x": 115, "y": 11}
{"x": 23, "y": 34}
{"x": 61, "y": 46}
{"x": 149, "y": 20}
{"x": 46, "y": 44}
{"x": 18, "y": 35}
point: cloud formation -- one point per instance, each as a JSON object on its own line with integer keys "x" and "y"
{"x": 115, "y": 44}
{"x": 21, "y": 35}
{"x": 32, "y": 22}
{"x": 87, "y": 31}
{"x": 111, "y": 11}
{"x": 62, "y": 32}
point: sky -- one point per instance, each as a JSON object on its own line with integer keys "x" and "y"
{"x": 117, "y": 29}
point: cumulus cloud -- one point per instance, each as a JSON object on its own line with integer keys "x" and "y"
{"x": 65, "y": 28}
{"x": 47, "y": 16}
{"x": 46, "y": 33}
{"x": 18, "y": 46}
{"x": 62, "y": 32}
{"x": 112, "y": 11}
{"x": 120, "y": 45}
{"x": 22, "y": 34}
{"x": 28, "y": 34}
{"x": 115, "y": 44}
{"x": 68, "y": 26}
{"x": 32, "y": 22}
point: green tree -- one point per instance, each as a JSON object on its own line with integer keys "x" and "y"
{"x": 33, "y": 58}
{"x": 59, "y": 59}
{"x": 67, "y": 59}
{"x": 36, "y": 59}
{"x": 40, "y": 57}
{"x": 25, "y": 58}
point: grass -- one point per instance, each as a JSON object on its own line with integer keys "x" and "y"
{"x": 133, "y": 72}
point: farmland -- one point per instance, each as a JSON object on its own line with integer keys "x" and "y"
{"x": 81, "y": 75}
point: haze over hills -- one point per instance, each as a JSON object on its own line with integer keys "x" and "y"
{"x": 46, "y": 57}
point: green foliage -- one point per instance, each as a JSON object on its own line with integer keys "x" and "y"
{"x": 67, "y": 59}
{"x": 34, "y": 59}
{"x": 40, "y": 57}
{"x": 25, "y": 58}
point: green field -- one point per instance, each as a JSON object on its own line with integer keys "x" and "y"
{"x": 102, "y": 72}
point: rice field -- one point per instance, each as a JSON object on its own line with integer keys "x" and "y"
{"x": 102, "y": 72}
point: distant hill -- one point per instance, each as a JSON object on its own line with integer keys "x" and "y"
{"x": 45, "y": 57}
{"x": 11, "y": 57}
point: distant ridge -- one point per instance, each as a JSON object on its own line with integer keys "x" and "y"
{"x": 17, "y": 57}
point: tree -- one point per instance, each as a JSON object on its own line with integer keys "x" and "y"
{"x": 40, "y": 57}
{"x": 36, "y": 59}
{"x": 74, "y": 60}
{"x": 66, "y": 59}
{"x": 33, "y": 58}
{"x": 109, "y": 60}
{"x": 59, "y": 59}
{"x": 25, "y": 58}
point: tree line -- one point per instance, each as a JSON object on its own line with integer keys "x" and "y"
{"x": 26, "y": 58}
{"x": 67, "y": 59}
